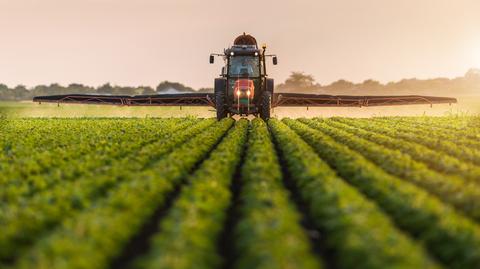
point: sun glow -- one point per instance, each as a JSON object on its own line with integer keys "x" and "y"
{"x": 476, "y": 57}
{"x": 474, "y": 53}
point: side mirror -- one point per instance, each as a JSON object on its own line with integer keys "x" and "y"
{"x": 212, "y": 59}
{"x": 275, "y": 61}
{"x": 223, "y": 70}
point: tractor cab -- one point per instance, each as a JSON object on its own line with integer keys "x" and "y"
{"x": 244, "y": 66}
{"x": 243, "y": 88}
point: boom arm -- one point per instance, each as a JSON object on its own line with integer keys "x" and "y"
{"x": 184, "y": 99}
{"x": 278, "y": 100}
{"x": 311, "y": 100}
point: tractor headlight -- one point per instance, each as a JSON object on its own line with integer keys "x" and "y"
{"x": 249, "y": 92}
{"x": 256, "y": 53}
{"x": 231, "y": 53}
{"x": 238, "y": 92}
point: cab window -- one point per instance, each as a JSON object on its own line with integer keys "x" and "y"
{"x": 244, "y": 66}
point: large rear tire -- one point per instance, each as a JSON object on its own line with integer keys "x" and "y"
{"x": 220, "y": 105}
{"x": 220, "y": 98}
{"x": 266, "y": 105}
{"x": 270, "y": 85}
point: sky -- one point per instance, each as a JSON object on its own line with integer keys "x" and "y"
{"x": 143, "y": 42}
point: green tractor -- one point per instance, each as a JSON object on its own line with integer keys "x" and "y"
{"x": 243, "y": 87}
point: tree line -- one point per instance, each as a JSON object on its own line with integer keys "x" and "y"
{"x": 298, "y": 82}
{"x": 469, "y": 84}
{"x": 21, "y": 92}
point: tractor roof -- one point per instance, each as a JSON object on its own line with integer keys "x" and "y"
{"x": 245, "y": 40}
{"x": 244, "y": 45}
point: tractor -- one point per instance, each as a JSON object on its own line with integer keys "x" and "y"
{"x": 243, "y": 87}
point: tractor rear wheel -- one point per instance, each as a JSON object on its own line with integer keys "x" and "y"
{"x": 220, "y": 105}
{"x": 266, "y": 105}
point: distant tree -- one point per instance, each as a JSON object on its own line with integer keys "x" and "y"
{"x": 371, "y": 82}
{"x": 5, "y": 92}
{"x": 146, "y": 90}
{"x": 40, "y": 90}
{"x": 299, "y": 82}
{"x": 56, "y": 88}
{"x": 20, "y": 92}
{"x": 105, "y": 89}
{"x": 341, "y": 85}
{"x": 167, "y": 85}
{"x": 473, "y": 73}
{"x": 79, "y": 88}
{"x": 76, "y": 85}
{"x": 407, "y": 84}
{"x": 300, "y": 79}
{"x": 370, "y": 85}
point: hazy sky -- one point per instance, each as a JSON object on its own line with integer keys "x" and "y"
{"x": 142, "y": 42}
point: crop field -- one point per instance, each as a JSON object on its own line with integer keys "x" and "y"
{"x": 385, "y": 192}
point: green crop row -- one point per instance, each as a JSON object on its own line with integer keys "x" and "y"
{"x": 464, "y": 153}
{"x": 190, "y": 231}
{"x": 91, "y": 158}
{"x": 64, "y": 141}
{"x": 197, "y": 193}
{"x": 112, "y": 221}
{"x": 23, "y": 221}
{"x": 359, "y": 234}
{"x": 465, "y": 196}
{"x": 53, "y": 146}
{"x": 449, "y": 123}
{"x": 434, "y": 159}
{"x": 451, "y": 237}
{"x": 36, "y": 149}
{"x": 440, "y": 133}
{"x": 468, "y": 127}
{"x": 268, "y": 233}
